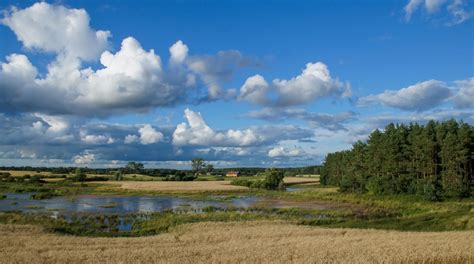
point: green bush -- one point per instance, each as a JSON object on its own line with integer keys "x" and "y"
{"x": 242, "y": 182}
{"x": 273, "y": 181}
{"x": 180, "y": 176}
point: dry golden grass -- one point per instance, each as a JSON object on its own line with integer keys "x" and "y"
{"x": 300, "y": 180}
{"x": 251, "y": 242}
{"x": 193, "y": 186}
{"x": 172, "y": 186}
{"x": 23, "y": 173}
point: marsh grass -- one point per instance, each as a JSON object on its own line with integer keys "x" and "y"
{"x": 404, "y": 212}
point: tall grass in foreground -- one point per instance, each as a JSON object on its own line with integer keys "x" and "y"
{"x": 250, "y": 242}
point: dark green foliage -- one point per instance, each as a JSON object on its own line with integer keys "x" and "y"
{"x": 198, "y": 164}
{"x": 180, "y": 176}
{"x": 434, "y": 161}
{"x": 80, "y": 175}
{"x": 134, "y": 167}
{"x": 242, "y": 182}
{"x": 273, "y": 181}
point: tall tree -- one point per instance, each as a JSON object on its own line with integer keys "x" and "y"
{"x": 197, "y": 164}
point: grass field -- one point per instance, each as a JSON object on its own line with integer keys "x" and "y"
{"x": 248, "y": 242}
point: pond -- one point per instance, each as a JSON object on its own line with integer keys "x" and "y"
{"x": 116, "y": 204}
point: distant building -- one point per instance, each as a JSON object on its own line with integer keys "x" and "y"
{"x": 232, "y": 174}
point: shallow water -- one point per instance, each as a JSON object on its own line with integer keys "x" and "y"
{"x": 113, "y": 204}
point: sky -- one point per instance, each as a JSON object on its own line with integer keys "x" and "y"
{"x": 238, "y": 83}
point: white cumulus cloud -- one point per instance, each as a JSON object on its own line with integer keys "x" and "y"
{"x": 421, "y": 96}
{"x": 54, "y": 28}
{"x": 313, "y": 83}
{"x": 464, "y": 98}
{"x": 148, "y": 135}
{"x": 179, "y": 52}
{"x": 285, "y": 152}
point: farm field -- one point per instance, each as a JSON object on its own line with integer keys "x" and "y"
{"x": 19, "y": 173}
{"x": 251, "y": 242}
{"x": 195, "y": 186}
{"x": 192, "y": 186}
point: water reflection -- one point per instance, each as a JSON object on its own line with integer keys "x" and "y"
{"x": 113, "y": 204}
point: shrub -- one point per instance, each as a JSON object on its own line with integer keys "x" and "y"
{"x": 242, "y": 182}
{"x": 180, "y": 176}
{"x": 36, "y": 179}
{"x": 274, "y": 179}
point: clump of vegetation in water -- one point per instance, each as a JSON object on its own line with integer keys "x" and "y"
{"x": 273, "y": 181}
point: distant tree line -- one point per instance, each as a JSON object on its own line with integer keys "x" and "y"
{"x": 434, "y": 160}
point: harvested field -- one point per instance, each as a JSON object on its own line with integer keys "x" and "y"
{"x": 250, "y": 242}
{"x": 194, "y": 186}
{"x": 300, "y": 180}
{"x": 23, "y": 173}
{"x": 170, "y": 186}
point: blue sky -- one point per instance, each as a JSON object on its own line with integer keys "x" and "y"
{"x": 273, "y": 83}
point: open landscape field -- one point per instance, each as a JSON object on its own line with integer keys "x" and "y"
{"x": 237, "y": 131}
{"x": 214, "y": 221}
{"x": 196, "y": 186}
{"x": 20, "y": 173}
{"x": 248, "y": 242}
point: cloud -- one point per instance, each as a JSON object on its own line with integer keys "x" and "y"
{"x": 96, "y": 139}
{"x": 313, "y": 83}
{"x": 197, "y": 132}
{"x": 129, "y": 139}
{"x": 284, "y": 152}
{"x": 37, "y": 27}
{"x": 148, "y": 135}
{"x": 316, "y": 120}
{"x": 464, "y": 98}
{"x": 178, "y": 52}
{"x": 418, "y": 97}
{"x": 255, "y": 90}
{"x": 455, "y": 8}
{"x": 131, "y": 79}
{"x": 216, "y": 69}
{"x": 84, "y": 158}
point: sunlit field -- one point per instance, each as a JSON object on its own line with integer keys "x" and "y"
{"x": 198, "y": 186}
{"x": 250, "y": 242}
